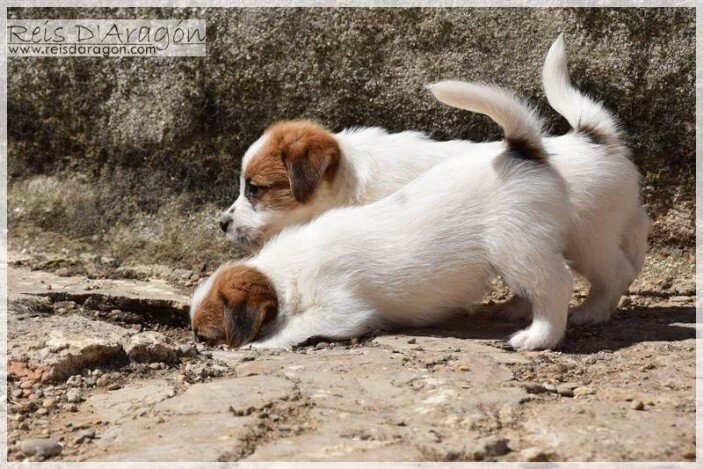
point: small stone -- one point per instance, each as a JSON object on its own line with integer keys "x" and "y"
{"x": 321, "y": 345}
{"x": 149, "y": 347}
{"x": 637, "y": 405}
{"x": 49, "y": 402}
{"x": 85, "y": 434}
{"x": 463, "y": 368}
{"x": 42, "y": 447}
{"x": 534, "y": 454}
{"x": 90, "y": 381}
{"x": 42, "y": 411}
{"x": 114, "y": 386}
{"x": 73, "y": 396}
{"x": 549, "y": 387}
{"x": 565, "y": 391}
{"x": 186, "y": 350}
{"x": 26, "y": 384}
{"x": 102, "y": 381}
{"x": 71, "y": 407}
{"x": 583, "y": 391}
{"x": 412, "y": 341}
{"x": 491, "y": 447}
{"x": 74, "y": 381}
{"x": 533, "y": 388}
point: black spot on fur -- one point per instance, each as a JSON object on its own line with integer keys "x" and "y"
{"x": 594, "y": 134}
{"x": 526, "y": 149}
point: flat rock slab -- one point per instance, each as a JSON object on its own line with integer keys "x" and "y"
{"x": 53, "y": 348}
{"x": 154, "y": 296}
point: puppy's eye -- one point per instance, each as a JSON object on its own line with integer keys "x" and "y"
{"x": 252, "y": 190}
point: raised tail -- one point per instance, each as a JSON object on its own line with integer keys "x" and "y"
{"x": 583, "y": 113}
{"x": 521, "y": 124}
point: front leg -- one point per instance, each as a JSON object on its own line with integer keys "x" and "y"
{"x": 342, "y": 324}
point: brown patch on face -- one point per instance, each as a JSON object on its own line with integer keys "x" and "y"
{"x": 297, "y": 156}
{"x": 241, "y": 301}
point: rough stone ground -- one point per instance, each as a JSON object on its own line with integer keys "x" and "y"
{"x": 101, "y": 364}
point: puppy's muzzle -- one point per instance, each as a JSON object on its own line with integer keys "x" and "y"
{"x": 225, "y": 221}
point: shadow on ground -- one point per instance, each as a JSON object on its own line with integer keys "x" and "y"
{"x": 627, "y": 327}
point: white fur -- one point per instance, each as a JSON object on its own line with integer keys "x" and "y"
{"x": 608, "y": 234}
{"x": 432, "y": 247}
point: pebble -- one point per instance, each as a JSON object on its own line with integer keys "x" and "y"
{"x": 412, "y": 341}
{"x": 42, "y": 411}
{"x": 321, "y": 345}
{"x": 493, "y": 446}
{"x": 71, "y": 408}
{"x": 186, "y": 350}
{"x": 90, "y": 381}
{"x": 26, "y": 384}
{"x": 73, "y": 396}
{"x": 534, "y": 454}
{"x": 49, "y": 402}
{"x": 86, "y": 434}
{"x": 532, "y": 388}
{"x": 565, "y": 391}
{"x": 637, "y": 405}
{"x": 583, "y": 391}
{"x": 114, "y": 386}
{"x": 42, "y": 447}
{"x": 74, "y": 381}
{"x": 549, "y": 387}
{"x": 102, "y": 380}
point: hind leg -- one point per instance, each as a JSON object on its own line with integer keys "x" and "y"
{"x": 609, "y": 274}
{"x": 516, "y": 308}
{"x": 544, "y": 282}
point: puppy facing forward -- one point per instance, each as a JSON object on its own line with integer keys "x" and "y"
{"x": 298, "y": 170}
{"x": 412, "y": 258}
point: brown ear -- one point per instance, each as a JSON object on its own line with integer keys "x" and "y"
{"x": 309, "y": 158}
{"x": 243, "y": 323}
{"x": 249, "y": 302}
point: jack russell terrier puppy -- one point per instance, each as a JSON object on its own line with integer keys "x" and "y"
{"x": 298, "y": 170}
{"x": 412, "y": 258}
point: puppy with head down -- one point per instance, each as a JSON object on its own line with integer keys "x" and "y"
{"x": 414, "y": 257}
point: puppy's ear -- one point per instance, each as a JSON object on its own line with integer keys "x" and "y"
{"x": 309, "y": 156}
{"x": 249, "y": 302}
{"x": 243, "y": 322}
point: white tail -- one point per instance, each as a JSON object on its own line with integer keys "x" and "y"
{"x": 521, "y": 124}
{"x": 583, "y": 113}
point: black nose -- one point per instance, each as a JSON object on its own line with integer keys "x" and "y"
{"x": 224, "y": 224}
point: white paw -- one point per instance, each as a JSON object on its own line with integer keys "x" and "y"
{"x": 266, "y": 344}
{"x": 588, "y": 314}
{"x": 538, "y": 336}
{"x": 515, "y": 309}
